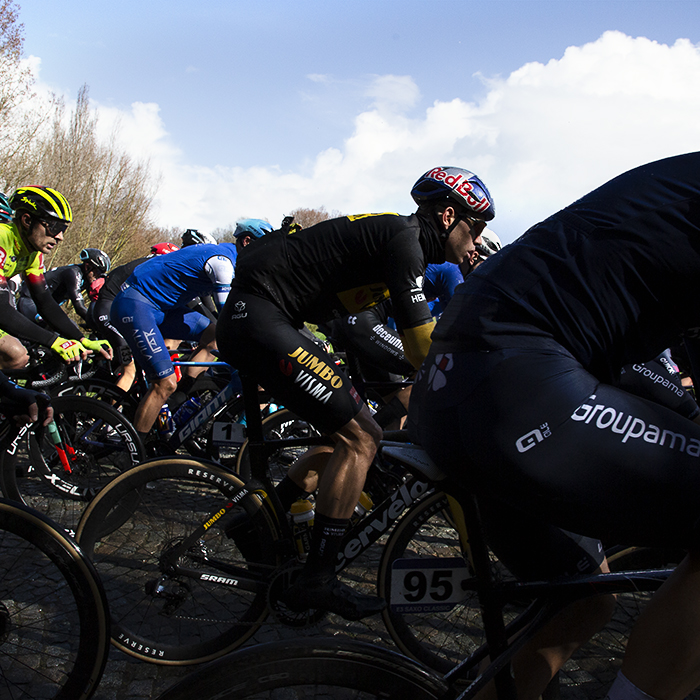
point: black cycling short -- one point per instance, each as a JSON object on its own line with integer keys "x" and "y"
{"x": 538, "y": 435}
{"x": 259, "y": 339}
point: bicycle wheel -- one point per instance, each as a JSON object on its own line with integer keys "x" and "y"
{"x": 436, "y": 630}
{"x": 307, "y": 669}
{"x": 278, "y": 425}
{"x": 594, "y": 666}
{"x": 101, "y": 444}
{"x": 54, "y": 625}
{"x": 180, "y": 591}
{"x": 102, "y": 390}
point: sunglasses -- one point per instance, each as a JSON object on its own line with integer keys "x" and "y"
{"x": 55, "y": 228}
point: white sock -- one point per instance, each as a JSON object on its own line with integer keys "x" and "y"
{"x": 624, "y": 689}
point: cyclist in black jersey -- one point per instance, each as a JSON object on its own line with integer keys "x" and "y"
{"x": 529, "y": 353}
{"x": 337, "y": 267}
{"x": 67, "y": 283}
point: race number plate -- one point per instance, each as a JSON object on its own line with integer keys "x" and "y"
{"x": 224, "y": 433}
{"x": 424, "y": 585}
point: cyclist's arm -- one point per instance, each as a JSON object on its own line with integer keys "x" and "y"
{"x": 219, "y": 269}
{"x": 16, "y": 324}
{"x": 414, "y": 319}
{"x": 74, "y": 283}
{"x": 50, "y": 310}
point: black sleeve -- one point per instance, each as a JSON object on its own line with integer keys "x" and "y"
{"x": 14, "y": 323}
{"x": 52, "y": 312}
{"x": 74, "y": 283}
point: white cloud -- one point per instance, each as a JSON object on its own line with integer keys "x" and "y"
{"x": 540, "y": 138}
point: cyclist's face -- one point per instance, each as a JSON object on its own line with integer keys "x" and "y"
{"x": 40, "y": 236}
{"x": 460, "y": 243}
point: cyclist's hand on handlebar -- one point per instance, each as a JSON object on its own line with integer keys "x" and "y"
{"x": 69, "y": 350}
{"x": 27, "y": 405}
{"x": 101, "y": 346}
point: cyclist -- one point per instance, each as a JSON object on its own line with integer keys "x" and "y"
{"x": 41, "y": 216}
{"x": 68, "y": 282}
{"x": 153, "y": 305}
{"x": 547, "y": 326}
{"x": 343, "y": 266}
{"x": 98, "y": 313}
{"x": 194, "y": 237}
{"x": 249, "y": 230}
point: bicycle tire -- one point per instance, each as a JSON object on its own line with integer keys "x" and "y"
{"x": 170, "y": 618}
{"x": 438, "y": 639}
{"x": 310, "y": 668}
{"x": 54, "y": 641}
{"x": 593, "y": 668}
{"x": 102, "y": 390}
{"x": 105, "y": 445}
{"x": 278, "y": 425}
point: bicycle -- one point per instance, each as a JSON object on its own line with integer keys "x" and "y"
{"x": 313, "y": 668}
{"x": 181, "y": 591}
{"x": 59, "y": 471}
{"x": 54, "y": 624}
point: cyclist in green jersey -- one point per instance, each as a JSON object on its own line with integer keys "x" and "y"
{"x": 41, "y": 216}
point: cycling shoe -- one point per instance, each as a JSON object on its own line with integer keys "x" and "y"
{"x": 321, "y": 593}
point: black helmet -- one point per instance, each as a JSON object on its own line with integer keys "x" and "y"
{"x": 194, "y": 237}
{"x": 42, "y": 202}
{"x": 97, "y": 258}
{"x": 458, "y": 185}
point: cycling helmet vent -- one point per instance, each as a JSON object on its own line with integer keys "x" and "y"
{"x": 6, "y": 212}
{"x": 256, "y": 228}
{"x": 194, "y": 237}
{"x": 97, "y": 258}
{"x": 461, "y": 186}
{"x": 163, "y": 248}
{"x": 43, "y": 202}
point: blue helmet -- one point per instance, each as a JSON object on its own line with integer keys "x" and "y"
{"x": 255, "y": 228}
{"x": 6, "y": 212}
{"x": 458, "y": 185}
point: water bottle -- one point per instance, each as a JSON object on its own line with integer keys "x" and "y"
{"x": 302, "y": 521}
{"x": 364, "y": 505}
{"x": 186, "y": 411}
{"x": 165, "y": 423}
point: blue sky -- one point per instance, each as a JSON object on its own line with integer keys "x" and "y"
{"x": 251, "y": 109}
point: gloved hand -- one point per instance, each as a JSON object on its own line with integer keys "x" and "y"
{"x": 101, "y": 346}
{"x": 25, "y": 405}
{"x": 69, "y": 350}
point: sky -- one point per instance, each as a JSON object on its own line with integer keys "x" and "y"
{"x": 254, "y": 109}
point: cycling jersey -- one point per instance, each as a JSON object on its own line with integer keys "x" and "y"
{"x": 65, "y": 284}
{"x": 153, "y": 302}
{"x": 439, "y": 285}
{"x": 99, "y": 310}
{"x": 334, "y": 268}
{"x": 15, "y": 257}
{"x": 178, "y": 277}
{"x": 517, "y": 392}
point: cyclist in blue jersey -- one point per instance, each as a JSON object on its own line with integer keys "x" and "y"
{"x": 153, "y": 305}
{"x": 531, "y": 350}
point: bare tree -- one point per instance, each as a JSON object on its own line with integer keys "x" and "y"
{"x": 109, "y": 192}
{"x": 309, "y": 217}
{"x": 21, "y": 115}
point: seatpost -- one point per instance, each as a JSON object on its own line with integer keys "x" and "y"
{"x": 254, "y": 429}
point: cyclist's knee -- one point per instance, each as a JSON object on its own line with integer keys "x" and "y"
{"x": 165, "y": 386}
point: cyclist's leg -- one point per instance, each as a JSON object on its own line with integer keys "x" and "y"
{"x": 13, "y": 355}
{"x": 572, "y": 457}
{"x": 264, "y": 342}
